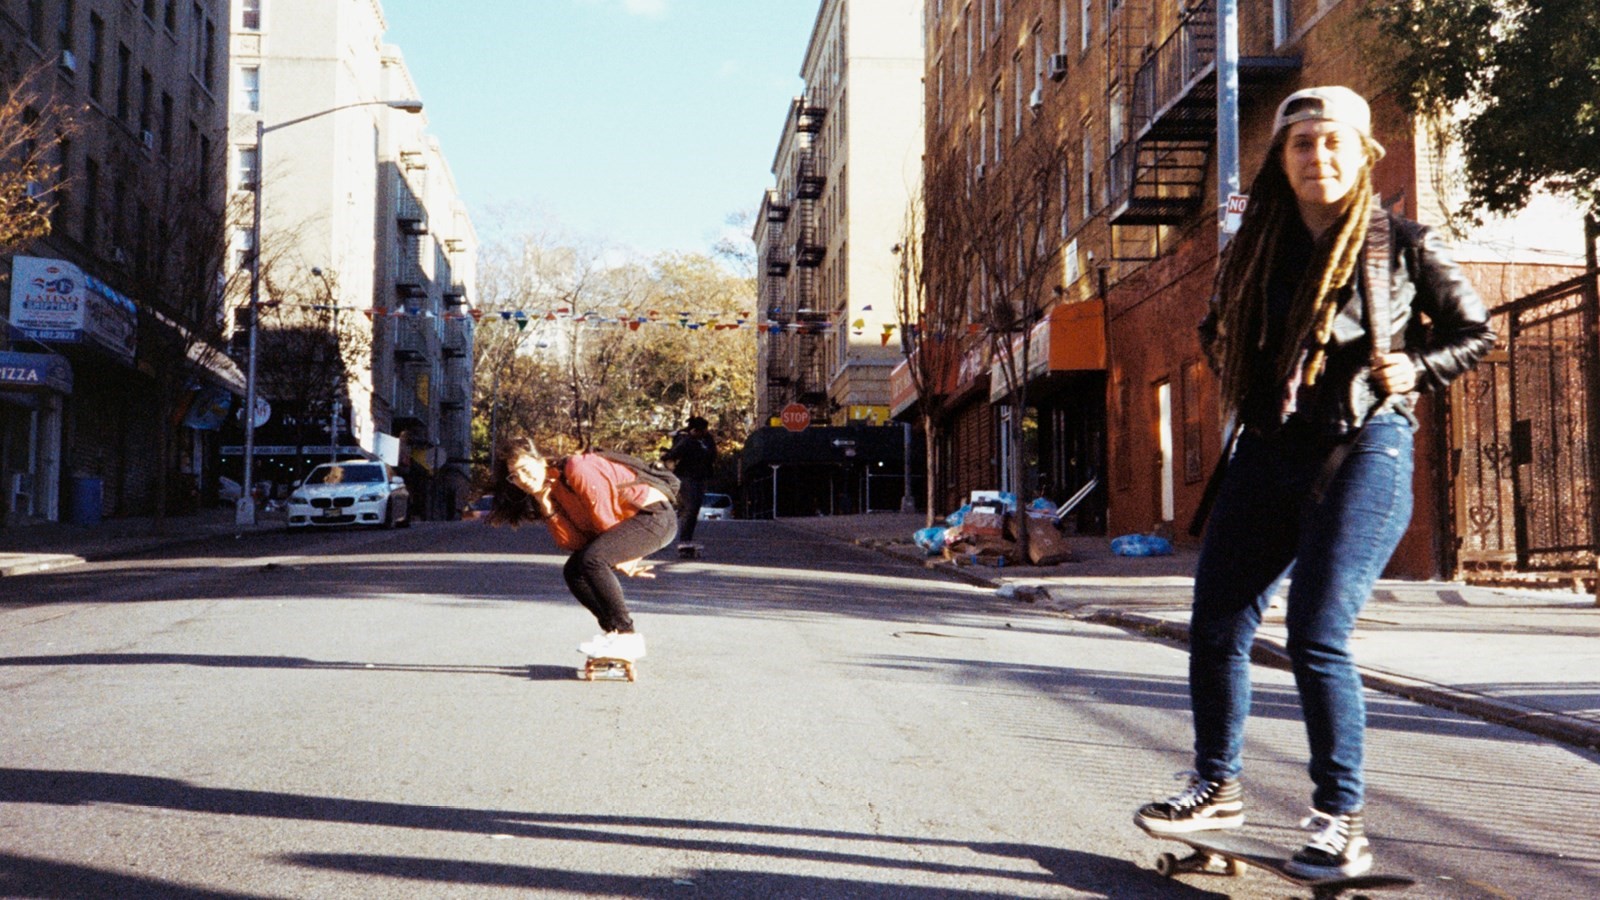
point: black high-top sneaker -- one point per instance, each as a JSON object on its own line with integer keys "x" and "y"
{"x": 1339, "y": 849}
{"x": 1201, "y": 806}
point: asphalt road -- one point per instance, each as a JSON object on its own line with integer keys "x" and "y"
{"x": 395, "y": 714}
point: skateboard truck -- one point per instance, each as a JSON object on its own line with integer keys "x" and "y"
{"x": 1230, "y": 853}
{"x": 608, "y": 668}
{"x": 689, "y": 550}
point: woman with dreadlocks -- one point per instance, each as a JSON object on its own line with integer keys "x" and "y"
{"x": 1317, "y": 334}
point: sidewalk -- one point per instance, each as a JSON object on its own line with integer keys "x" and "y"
{"x": 52, "y": 545}
{"x": 1528, "y": 659}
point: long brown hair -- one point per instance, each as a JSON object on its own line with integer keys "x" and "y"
{"x": 1247, "y": 267}
{"x": 512, "y": 506}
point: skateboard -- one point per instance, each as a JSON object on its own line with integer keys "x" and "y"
{"x": 689, "y": 550}
{"x": 1226, "y": 853}
{"x": 608, "y": 668}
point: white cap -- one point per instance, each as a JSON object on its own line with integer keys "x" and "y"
{"x": 1332, "y": 103}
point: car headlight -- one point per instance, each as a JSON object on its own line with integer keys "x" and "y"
{"x": 370, "y": 497}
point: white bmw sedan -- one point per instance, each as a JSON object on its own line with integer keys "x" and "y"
{"x": 351, "y": 492}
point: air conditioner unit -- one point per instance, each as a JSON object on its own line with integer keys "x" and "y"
{"x": 149, "y": 139}
{"x": 1036, "y": 99}
{"x": 1058, "y": 66}
{"x": 69, "y": 61}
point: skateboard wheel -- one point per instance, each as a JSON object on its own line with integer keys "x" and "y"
{"x": 1167, "y": 865}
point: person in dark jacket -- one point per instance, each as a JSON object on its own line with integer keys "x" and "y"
{"x": 693, "y": 456}
{"x": 1320, "y": 476}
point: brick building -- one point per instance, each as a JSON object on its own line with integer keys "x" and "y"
{"x": 1129, "y": 88}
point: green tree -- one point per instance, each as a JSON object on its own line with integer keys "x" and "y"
{"x": 1515, "y": 82}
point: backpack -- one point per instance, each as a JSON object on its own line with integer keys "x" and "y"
{"x": 653, "y": 474}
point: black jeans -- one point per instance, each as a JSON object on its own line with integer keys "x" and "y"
{"x": 691, "y": 493}
{"x": 589, "y": 571}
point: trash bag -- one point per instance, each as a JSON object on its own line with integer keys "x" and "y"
{"x": 930, "y": 539}
{"x": 1141, "y": 545}
{"x": 956, "y": 518}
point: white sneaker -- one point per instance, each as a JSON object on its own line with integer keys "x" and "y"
{"x": 592, "y": 646}
{"x": 629, "y": 646}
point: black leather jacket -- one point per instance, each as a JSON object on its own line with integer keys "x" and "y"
{"x": 1448, "y": 337}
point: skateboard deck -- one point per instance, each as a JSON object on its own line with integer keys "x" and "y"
{"x": 689, "y": 550}
{"x": 1227, "y": 853}
{"x": 608, "y": 668}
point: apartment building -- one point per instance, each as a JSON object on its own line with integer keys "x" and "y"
{"x": 1119, "y": 395}
{"x": 846, "y": 169}
{"x": 366, "y": 249}
{"x": 114, "y": 381}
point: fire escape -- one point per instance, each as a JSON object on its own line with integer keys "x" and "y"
{"x": 810, "y": 247}
{"x": 1160, "y": 176}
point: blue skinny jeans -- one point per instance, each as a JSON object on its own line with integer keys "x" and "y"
{"x": 1266, "y": 522}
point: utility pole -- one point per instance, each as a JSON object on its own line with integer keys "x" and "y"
{"x": 1227, "y": 111}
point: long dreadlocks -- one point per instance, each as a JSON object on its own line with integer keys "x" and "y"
{"x": 1247, "y": 267}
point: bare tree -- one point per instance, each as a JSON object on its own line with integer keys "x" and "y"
{"x": 997, "y": 233}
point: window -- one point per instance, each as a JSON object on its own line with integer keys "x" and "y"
{"x": 97, "y": 45}
{"x": 1282, "y": 21}
{"x": 249, "y": 167}
{"x": 36, "y": 24}
{"x": 64, "y": 27}
{"x": 147, "y": 102}
{"x": 1019, "y": 97}
{"x": 169, "y": 18}
{"x": 999, "y": 17}
{"x": 208, "y": 66}
{"x": 1063, "y": 25}
{"x": 999, "y": 119}
{"x": 1085, "y": 22}
{"x": 966, "y": 26}
{"x": 166, "y": 124}
{"x": 124, "y": 76}
{"x": 150, "y": 10}
{"x": 58, "y": 216}
{"x": 1088, "y": 171}
{"x": 91, "y": 198}
{"x": 983, "y": 139}
{"x": 250, "y": 15}
{"x": 250, "y": 88}
{"x": 1066, "y": 195}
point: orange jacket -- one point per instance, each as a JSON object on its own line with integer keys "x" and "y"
{"x": 592, "y": 496}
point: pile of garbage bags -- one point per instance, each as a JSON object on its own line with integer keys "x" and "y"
{"x": 986, "y": 530}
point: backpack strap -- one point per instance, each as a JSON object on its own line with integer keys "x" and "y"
{"x": 1377, "y": 284}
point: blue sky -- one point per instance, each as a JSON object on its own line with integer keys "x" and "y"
{"x": 643, "y": 123}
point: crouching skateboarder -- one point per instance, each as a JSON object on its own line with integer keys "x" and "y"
{"x": 1315, "y": 334}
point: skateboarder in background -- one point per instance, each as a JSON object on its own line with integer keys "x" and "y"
{"x": 693, "y": 456}
{"x": 1320, "y": 478}
{"x": 597, "y": 509}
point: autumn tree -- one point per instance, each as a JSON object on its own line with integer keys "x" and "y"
{"x": 1515, "y": 83}
{"x": 32, "y": 128}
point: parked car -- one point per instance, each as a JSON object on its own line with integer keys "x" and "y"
{"x": 716, "y": 506}
{"x": 350, "y": 492}
{"x": 479, "y": 508}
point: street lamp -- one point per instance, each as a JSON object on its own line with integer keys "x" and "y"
{"x": 245, "y": 511}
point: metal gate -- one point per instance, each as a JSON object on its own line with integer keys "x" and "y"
{"x": 1552, "y": 429}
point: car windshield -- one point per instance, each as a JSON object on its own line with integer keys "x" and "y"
{"x": 718, "y": 501}
{"x": 359, "y": 473}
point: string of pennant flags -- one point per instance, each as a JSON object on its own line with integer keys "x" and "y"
{"x": 632, "y": 321}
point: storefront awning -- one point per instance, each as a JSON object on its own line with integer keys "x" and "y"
{"x": 32, "y": 372}
{"x": 1070, "y": 338}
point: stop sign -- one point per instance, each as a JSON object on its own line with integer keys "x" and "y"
{"x": 796, "y": 417}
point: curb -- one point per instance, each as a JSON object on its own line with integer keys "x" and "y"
{"x": 1268, "y": 651}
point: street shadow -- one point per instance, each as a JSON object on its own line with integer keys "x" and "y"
{"x": 23, "y": 876}
{"x": 224, "y": 661}
{"x": 1074, "y": 870}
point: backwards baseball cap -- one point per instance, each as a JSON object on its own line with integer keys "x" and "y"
{"x": 1333, "y": 103}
